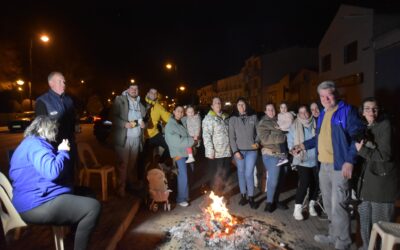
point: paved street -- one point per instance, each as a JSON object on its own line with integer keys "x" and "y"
{"x": 148, "y": 229}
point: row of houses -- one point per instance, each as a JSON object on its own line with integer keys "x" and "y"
{"x": 360, "y": 51}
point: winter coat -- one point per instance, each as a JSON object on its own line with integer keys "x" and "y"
{"x": 38, "y": 173}
{"x": 177, "y": 138}
{"x": 345, "y": 126}
{"x": 216, "y": 135}
{"x": 120, "y": 111}
{"x": 271, "y": 138}
{"x": 242, "y": 133}
{"x": 155, "y": 113}
{"x": 310, "y": 156}
{"x": 378, "y": 182}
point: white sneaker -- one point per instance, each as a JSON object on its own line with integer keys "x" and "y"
{"x": 311, "y": 208}
{"x": 282, "y": 161}
{"x": 297, "y": 214}
{"x": 183, "y": 204}
{"x": 190, "y": 159}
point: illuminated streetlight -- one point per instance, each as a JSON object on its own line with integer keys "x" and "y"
{"x": 132, "y": 80}
{"x": 44, "y": 38}
{"x": 20, "y": 82}
{"x": 168, "y": 66}
{"x": 19, "y": 88}
{"x": 166, "y": 97}
{"x": 108, "y": 100}
{"x": 113, "y": 93}
{"x": 182, "y": 88}
{"x": 82, "y": 81}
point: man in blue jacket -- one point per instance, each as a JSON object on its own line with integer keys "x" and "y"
{"x": 337, "y": 127}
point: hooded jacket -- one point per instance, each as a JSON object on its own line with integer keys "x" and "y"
{"x": 270, "y": 136}
{"x": 120, "y": 111}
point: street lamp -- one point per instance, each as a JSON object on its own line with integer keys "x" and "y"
{"x": 45, "y": 39}
{"x": 182, "y": 88}
{"x": 132, "y": 80}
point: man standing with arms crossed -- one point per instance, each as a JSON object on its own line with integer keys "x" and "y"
{"x": 337, "y": 126}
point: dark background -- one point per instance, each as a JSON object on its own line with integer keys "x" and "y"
{"x": 108, "y": 43}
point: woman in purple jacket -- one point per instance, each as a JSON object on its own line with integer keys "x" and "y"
{"x": 42, "y": 193}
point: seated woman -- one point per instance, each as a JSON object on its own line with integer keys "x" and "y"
{"x": 40, "y": 191}
{"x": 178, "y": 139}
{"x": 378, "y": 180}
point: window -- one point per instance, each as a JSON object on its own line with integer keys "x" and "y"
{"x": 350, "y": 52}
{"x": 326, "y": 63}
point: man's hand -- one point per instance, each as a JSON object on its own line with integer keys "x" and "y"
{"x": 142, "y": 124}
{"x": 359, "y": 145}
{"x": 347, "y": 170}
{"x": 64, "y": 145}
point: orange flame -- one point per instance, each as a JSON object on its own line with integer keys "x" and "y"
{"x": 219, "y": 213}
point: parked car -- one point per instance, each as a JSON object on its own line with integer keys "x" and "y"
{"x": 102, "y": 125}
{"x": 21, "y": 121}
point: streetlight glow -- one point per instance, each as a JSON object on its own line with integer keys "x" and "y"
{"x": 19, "y": 88}
{"x": 44, "y": 38}
{"x": 182, "y": 88}
{"x": 113, "y": 93}
{"x": 132, "y": 80}
{"x": 82, "y": 81}
{"x": 168, "y": 66}
{"x": 20, "y": 82}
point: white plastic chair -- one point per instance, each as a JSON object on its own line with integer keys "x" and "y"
{"x": 92, "y": 166}
{"x": 389, "y": 232}
{"x": 11, "y": 219}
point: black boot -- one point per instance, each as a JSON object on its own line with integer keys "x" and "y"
{"x": 269, "y": 207}
{"x": 252, "y": 203}
{"x": 243, "y": 200}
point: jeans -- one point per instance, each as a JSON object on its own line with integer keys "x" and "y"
{"x": 220, "y": 172}
{"x": 245, "y": 171}
{"x": 273, "y": 174}
{"x": 183, "y": 186}
{"x": 335, "y": 194}
{"x": 68, "y": 209}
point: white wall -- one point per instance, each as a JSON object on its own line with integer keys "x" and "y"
{"x": 350, "y": 23}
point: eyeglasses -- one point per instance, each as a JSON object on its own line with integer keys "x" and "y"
{"x": 368, "y": 109}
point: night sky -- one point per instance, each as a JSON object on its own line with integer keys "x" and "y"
{"x": 109, "y": 43}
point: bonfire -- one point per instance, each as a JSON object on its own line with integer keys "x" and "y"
{"x": 216, "y": 228}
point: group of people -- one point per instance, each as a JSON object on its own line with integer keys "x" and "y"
{"x": 326, "y": 146}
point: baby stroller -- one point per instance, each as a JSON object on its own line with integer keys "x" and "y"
{"x": 158, "y": 189}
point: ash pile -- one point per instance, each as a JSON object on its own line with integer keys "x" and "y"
{"x": 197, "y": 232}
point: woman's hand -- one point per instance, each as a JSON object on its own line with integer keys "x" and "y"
{"x": 238, "y": 156}
{"x": 359, "y": 145}
{"x": 64, "y": 145}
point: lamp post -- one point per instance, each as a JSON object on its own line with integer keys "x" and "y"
{"x": 45, "y": 39}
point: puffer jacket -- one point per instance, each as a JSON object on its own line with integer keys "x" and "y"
{"x": 271, "y": 138}
{"x": 216, "y": 136}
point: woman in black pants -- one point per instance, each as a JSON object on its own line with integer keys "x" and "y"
{"x": 303, "y": 128}
{"x": 42, "y": 193}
